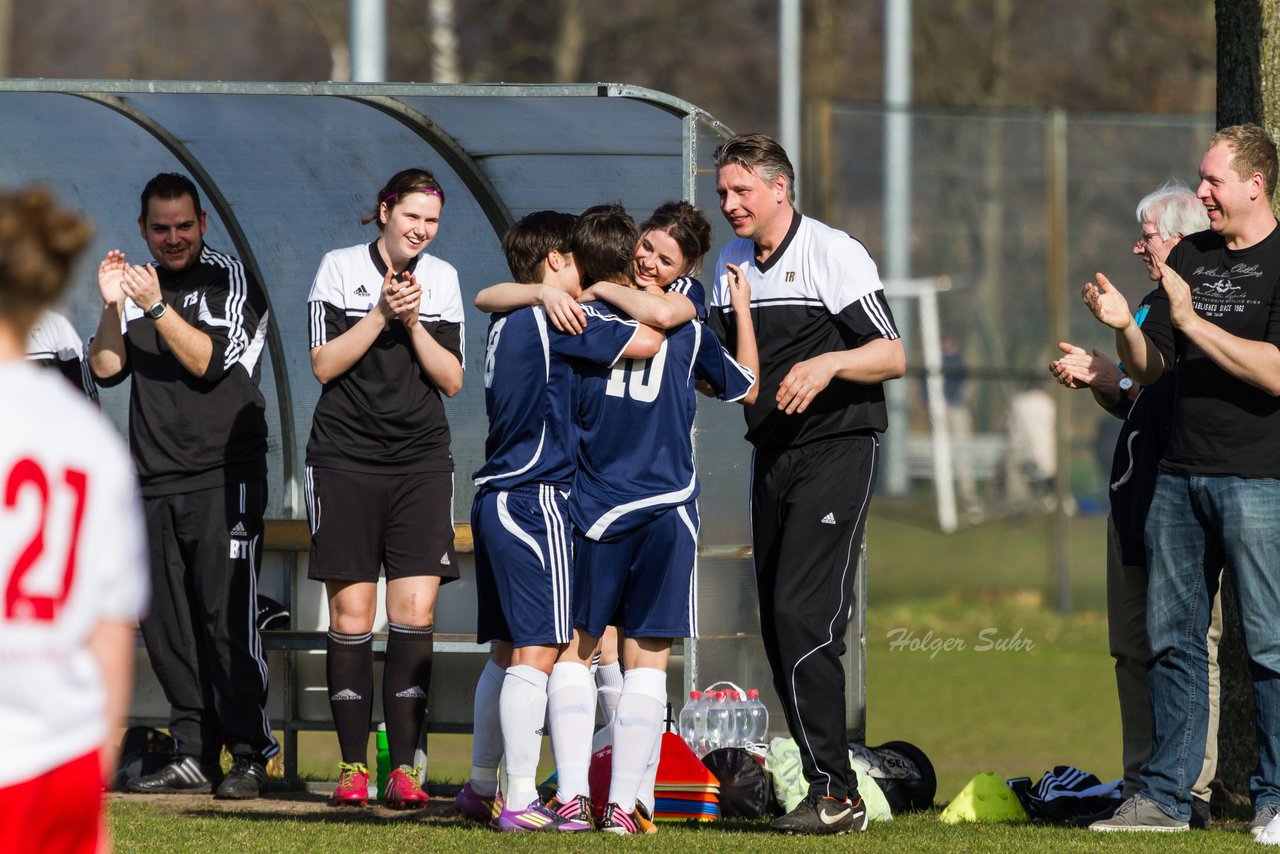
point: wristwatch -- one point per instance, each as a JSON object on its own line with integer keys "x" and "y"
{"x": 160, "y": 308}
{"x": 1125, "y": 384}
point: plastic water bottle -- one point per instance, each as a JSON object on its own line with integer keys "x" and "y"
{"x": 741, "y": 718}
{"x": 693, "y": 721}
{"x": 720, "y": 723}
{"x": 758, "y": 715}
{"x": 384, "y": 759}
{"x": 715, "y": 723}
{"x": 729, "y": 698}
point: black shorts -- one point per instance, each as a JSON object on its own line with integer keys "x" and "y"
{"x": 360, "y": 522}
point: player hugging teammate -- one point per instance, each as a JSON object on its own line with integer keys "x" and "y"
{"x": 619, "y": 432}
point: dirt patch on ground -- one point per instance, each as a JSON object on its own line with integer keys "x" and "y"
{"x": 294, "y": 804}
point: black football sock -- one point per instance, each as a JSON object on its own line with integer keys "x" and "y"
{"x": 406, "y": 680}
{"x": 349, "y": 667}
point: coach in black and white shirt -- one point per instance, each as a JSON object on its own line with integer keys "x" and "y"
{"x": 190, "y": 330}
{"x": 827, "y": 341}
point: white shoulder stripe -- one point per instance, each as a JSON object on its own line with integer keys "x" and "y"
{"x": 540, "y": 319}
{"x": 876, "y": 313}
{"x": 237, "y": 295}
{"x": 319, "y": 333}
{"x": 697, "y": 348}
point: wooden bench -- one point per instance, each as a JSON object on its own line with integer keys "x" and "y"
{"x": 292, "y": 537}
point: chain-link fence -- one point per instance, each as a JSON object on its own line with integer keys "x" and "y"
{"x": 982, "y": 211}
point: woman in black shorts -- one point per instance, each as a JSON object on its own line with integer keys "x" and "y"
{"x": 386, "y": 342}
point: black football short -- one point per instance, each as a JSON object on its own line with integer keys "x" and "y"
{"x": 361, "y": 523}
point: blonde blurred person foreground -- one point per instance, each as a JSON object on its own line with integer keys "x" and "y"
{"x": 72, "y": 559}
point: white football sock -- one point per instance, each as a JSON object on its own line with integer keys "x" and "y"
{"x": 637, "y": 725}
{"x": 571, "y": 711}
{"x": 608, "y": 689}
{"x": 524, "y": 708}
{"x": 650, "y": 779}
{"x": 486, "y": 740}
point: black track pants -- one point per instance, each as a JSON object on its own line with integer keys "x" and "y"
{"x": 808, "y": 516}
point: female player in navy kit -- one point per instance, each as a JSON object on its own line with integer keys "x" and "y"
{"x": 671, "y": 245}
{"x": 673, "y": 241}
{"x": 386, "y": 340}
{"x": 634, "y": 500}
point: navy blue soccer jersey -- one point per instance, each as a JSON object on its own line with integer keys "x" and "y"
{"x": 635, "y": 453}
{"x": 530, "y": 390}
{"x": 692, "y": 288}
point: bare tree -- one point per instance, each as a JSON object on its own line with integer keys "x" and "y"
{"x": 329, "y": 21}
{"x": 444, "y": 42}
{"x": 571, "y": 39}
{"x": 6, "y": 27}
{"x": 1248, "y": 91}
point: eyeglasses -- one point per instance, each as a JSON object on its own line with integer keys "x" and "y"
{"x": 1146, "y": 239}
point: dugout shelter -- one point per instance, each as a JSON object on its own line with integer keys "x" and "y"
{"x": 285, "y": 171}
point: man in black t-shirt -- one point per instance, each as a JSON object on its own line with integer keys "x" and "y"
{"x": 1164, "y": 218}
{"x": 1217, "y": 496}
{"x": 190, "y": 331}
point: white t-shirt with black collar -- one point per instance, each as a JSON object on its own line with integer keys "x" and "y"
{"x": 384, "y": 414}
{"x": 818, "y": 292}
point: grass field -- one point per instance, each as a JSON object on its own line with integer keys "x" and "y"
{"x": 964, "y": 660}
{"x": 158, "y": 829}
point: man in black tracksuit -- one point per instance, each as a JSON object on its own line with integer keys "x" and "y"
{"x": 190, "y": 332}
{"x": 827, "y": 342}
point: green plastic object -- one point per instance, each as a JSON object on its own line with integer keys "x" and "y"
{"x": 985, "y": 798}
{"x": 384, "y": 759}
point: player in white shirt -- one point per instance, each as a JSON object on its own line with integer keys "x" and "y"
{"x": 386, "y": 340}
{"x": 72, "y": 559}
{"x": 54, "y": 343}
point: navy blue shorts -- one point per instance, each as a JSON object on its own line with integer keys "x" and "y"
{"x": 524, "y": 565}
{"x": 646, "y": 582}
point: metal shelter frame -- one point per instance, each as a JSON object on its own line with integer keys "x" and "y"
{"x": 501, "y": 151}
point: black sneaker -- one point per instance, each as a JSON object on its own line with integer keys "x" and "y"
{"x": 1200, "y": 816}
{"x": 182, "y": 776}
{"x": 818, "y": 815}
{"x": 246, "y": 780}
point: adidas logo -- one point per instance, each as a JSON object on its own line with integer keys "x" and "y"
{"x": 345, "y": 694}
{"x": 540, "y": 731}
{"x": 239, "y": 531}
{"x": 361, "y": 292}
{"x": 444, "y": 559}
{"x": 414, "y": 693}
{"x": 829, "y": 519}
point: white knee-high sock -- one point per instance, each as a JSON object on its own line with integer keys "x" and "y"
{"x": 608, "y": 689}
{"x": 635, "y": 729}
{"x": 524, "y": 708}
{"x": 650, "y": 779}
{"x": 486, "y": 740}
{"x": 571, "y": 711}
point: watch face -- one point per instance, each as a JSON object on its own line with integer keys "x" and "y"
{"x": 1125, "y": 383}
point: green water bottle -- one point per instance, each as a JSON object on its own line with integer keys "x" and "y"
{"x": 384, "y": 759}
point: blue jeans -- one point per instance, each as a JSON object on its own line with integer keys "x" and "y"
{"x": 1196, "y": 525}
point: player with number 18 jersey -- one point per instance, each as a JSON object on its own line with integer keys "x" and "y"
{"x": 519, "y": 521}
